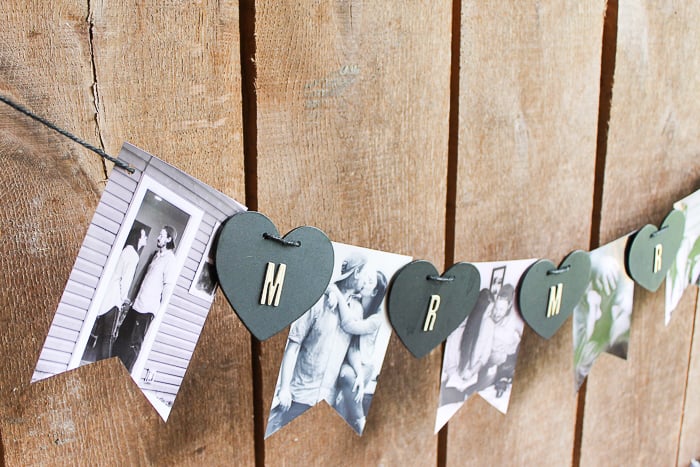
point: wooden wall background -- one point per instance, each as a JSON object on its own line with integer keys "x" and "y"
{"x": 448, "y": 131}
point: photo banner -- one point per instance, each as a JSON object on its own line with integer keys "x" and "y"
{"x": 144, "y": 280}
{"x": 145, "y": 277}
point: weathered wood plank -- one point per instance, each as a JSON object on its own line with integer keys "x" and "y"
{"x": 167, "y": 79}
{"x": 352, "y": 127}
{"x": 528, "y": 98}
{"x": 45, "y": 65}
{"x": 633, "y": 409}
{"x": 48, "y": 187}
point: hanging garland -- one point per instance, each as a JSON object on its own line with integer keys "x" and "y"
{"x": 180, "y": 237}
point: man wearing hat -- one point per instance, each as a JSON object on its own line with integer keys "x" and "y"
{"x": 156, "y": 287}
{"x": 316, "y": 348}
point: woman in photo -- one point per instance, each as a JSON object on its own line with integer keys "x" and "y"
{"x": 116, "y": 300}
{"x": 488, "y": 347}
{"x": 357, "y": 370}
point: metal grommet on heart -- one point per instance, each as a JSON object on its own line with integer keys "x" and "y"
{"x": 549, "y": 294}
{"x": 425, "y": 307}
{"x": 652, "y": 251}
{"x": 270, "y": 280}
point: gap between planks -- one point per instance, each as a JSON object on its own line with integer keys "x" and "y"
{"x": 250, "y": 164}
{"x": 607, "y": 74}
{"x": 451, "y": 185}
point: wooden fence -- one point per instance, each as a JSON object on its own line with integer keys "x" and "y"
{"x": 447, "y": 131}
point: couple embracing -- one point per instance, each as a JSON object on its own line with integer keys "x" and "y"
{"x": 330, "y": 349}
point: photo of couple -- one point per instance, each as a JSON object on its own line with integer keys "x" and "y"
{"x": 480, "y": 355}
{"x": 335, "y": 351}
{"x": 121, "y": 325}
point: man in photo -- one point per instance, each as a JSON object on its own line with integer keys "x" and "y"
{"x": 489, "y": 346}
{"x": 157, "y": 285}
{"x": 316, "y": 347}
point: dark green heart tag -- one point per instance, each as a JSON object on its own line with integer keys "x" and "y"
{"x": 424, "y": 307}
{"x": 268, "y": 280}
{"x": 652, "y": 251}
{"x": 548, "y": 294}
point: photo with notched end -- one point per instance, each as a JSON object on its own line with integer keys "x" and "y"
{"x": 335, "y": 350}
{"x": 480, "y": 355}
{"x": 142, "y": 284}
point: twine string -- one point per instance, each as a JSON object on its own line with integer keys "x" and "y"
{"x": 67, "y": 134}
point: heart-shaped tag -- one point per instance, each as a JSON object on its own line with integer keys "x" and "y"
{"x": 424, "y": 307}
{"x": 548, "y": 295}
{"x": 652, "y": 251}
{"x": 271, "y": 281}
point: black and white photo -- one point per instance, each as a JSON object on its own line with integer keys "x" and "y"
{"x": 335, "y": 351}
{"x": 480, "y": 355}
{"x": 128, "y": 295}
{"x": 144, "y": 279}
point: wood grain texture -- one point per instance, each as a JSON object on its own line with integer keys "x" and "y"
{"x": 529, "y": 74}
{"x": 352, "y": 119}
{"x": 45, "y": 65}
{"x": 634, "y": 409}
{"x": 168, "y": 79}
